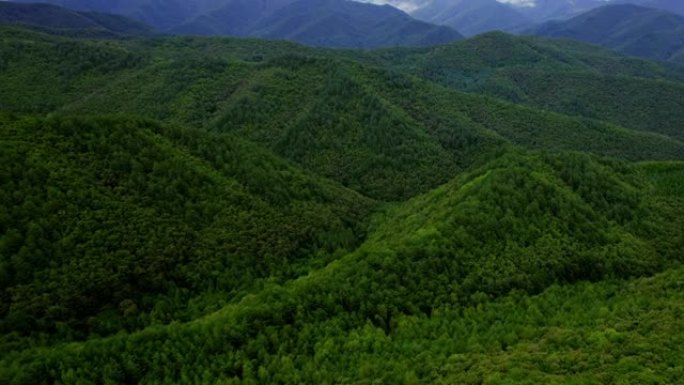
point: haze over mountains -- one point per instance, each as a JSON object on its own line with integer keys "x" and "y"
{"x": 630, "y": 29}
{"x": 476, "y": 16}
{"x": 332, "y": 23}
{"x": 64, "y": 20}
{"x": 472, "y": 16}
{"x": 352, "y": 24}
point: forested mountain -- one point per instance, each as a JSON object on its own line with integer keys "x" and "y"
{"x": 192, "y": 210}
{"x": 403, "y": 293}
{"x": 476, "y": 16}
{"x": 471, "y": 17}
{"x": 559, "y": 75}
{"x": 422, "y": 133}
{"x": 62, "y": 20}
{"x": 630, "y": 29}
{"x": 331, "y": 23}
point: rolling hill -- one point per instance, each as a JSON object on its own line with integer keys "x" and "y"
{"x": 435, "y": 270}
{"x": 422, "y": 133}
{"x": 559, "y": 75}
{"x": 170, "y": 207}
{"x": 630, "y": 29}
{"x": 179, "y": 209}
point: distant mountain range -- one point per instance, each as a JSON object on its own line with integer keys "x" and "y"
{"x": 472, "y": 17}
{"x": 674, "y": 6}
{"x": 162, "y": 14}
{"x": 626, "y": 28}
{"x": 646, "y": 28}
{"x": 329, "y": 23}
{"x": 51, "y": 17}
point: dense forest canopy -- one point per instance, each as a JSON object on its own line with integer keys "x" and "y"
{"x": 498, "y": 210}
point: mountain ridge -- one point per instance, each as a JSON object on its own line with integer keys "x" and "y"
{"x": 333, "y": 23}
{"x": 183, "y": 209}
{"x": 58, "y": 19}
{"x": 630, "y": 29}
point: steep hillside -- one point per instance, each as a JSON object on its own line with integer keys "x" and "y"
{"x": 112, "y": 224}
{"x": 633, "y": 30}
{"x": 191, "y": 210}
{"x": 434, "y": 270}
{"x": 381, "y": 133}
{"x": 53, "y": 18}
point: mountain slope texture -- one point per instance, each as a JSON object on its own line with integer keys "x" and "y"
{"x": 58, "y": 19}
{"x": 205, "y": 210}
{"x": 331, "y": 23}
{"x": 630, "y": 29}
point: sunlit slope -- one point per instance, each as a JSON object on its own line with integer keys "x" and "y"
{"x": 522, "y": 222}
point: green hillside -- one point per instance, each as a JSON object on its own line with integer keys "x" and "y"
{"x": 559, "y": 75}
{"x": 180, "y": 210}
{"x": 421, "y": 287}
{"x": 182, "y": 216}
{"x": 382, "y": 133}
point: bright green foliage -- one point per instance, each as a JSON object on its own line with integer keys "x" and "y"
{"x": 520, "y": 222}
{"x": 187, "y": 210}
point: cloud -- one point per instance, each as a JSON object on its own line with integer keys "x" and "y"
{"x": 412, "y": 5}
{"x": 405, "y": 5}
{"x": 521, "y": 3}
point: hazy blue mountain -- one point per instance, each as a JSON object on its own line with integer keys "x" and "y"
{"x": 161, "y": 14}
{"x": 471, "y": 17}
{"x": 330, "y": 23}
{"x": 52, "y": 17}
{"x": 675, "y": 6}
{"x": 630, "y": 29}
